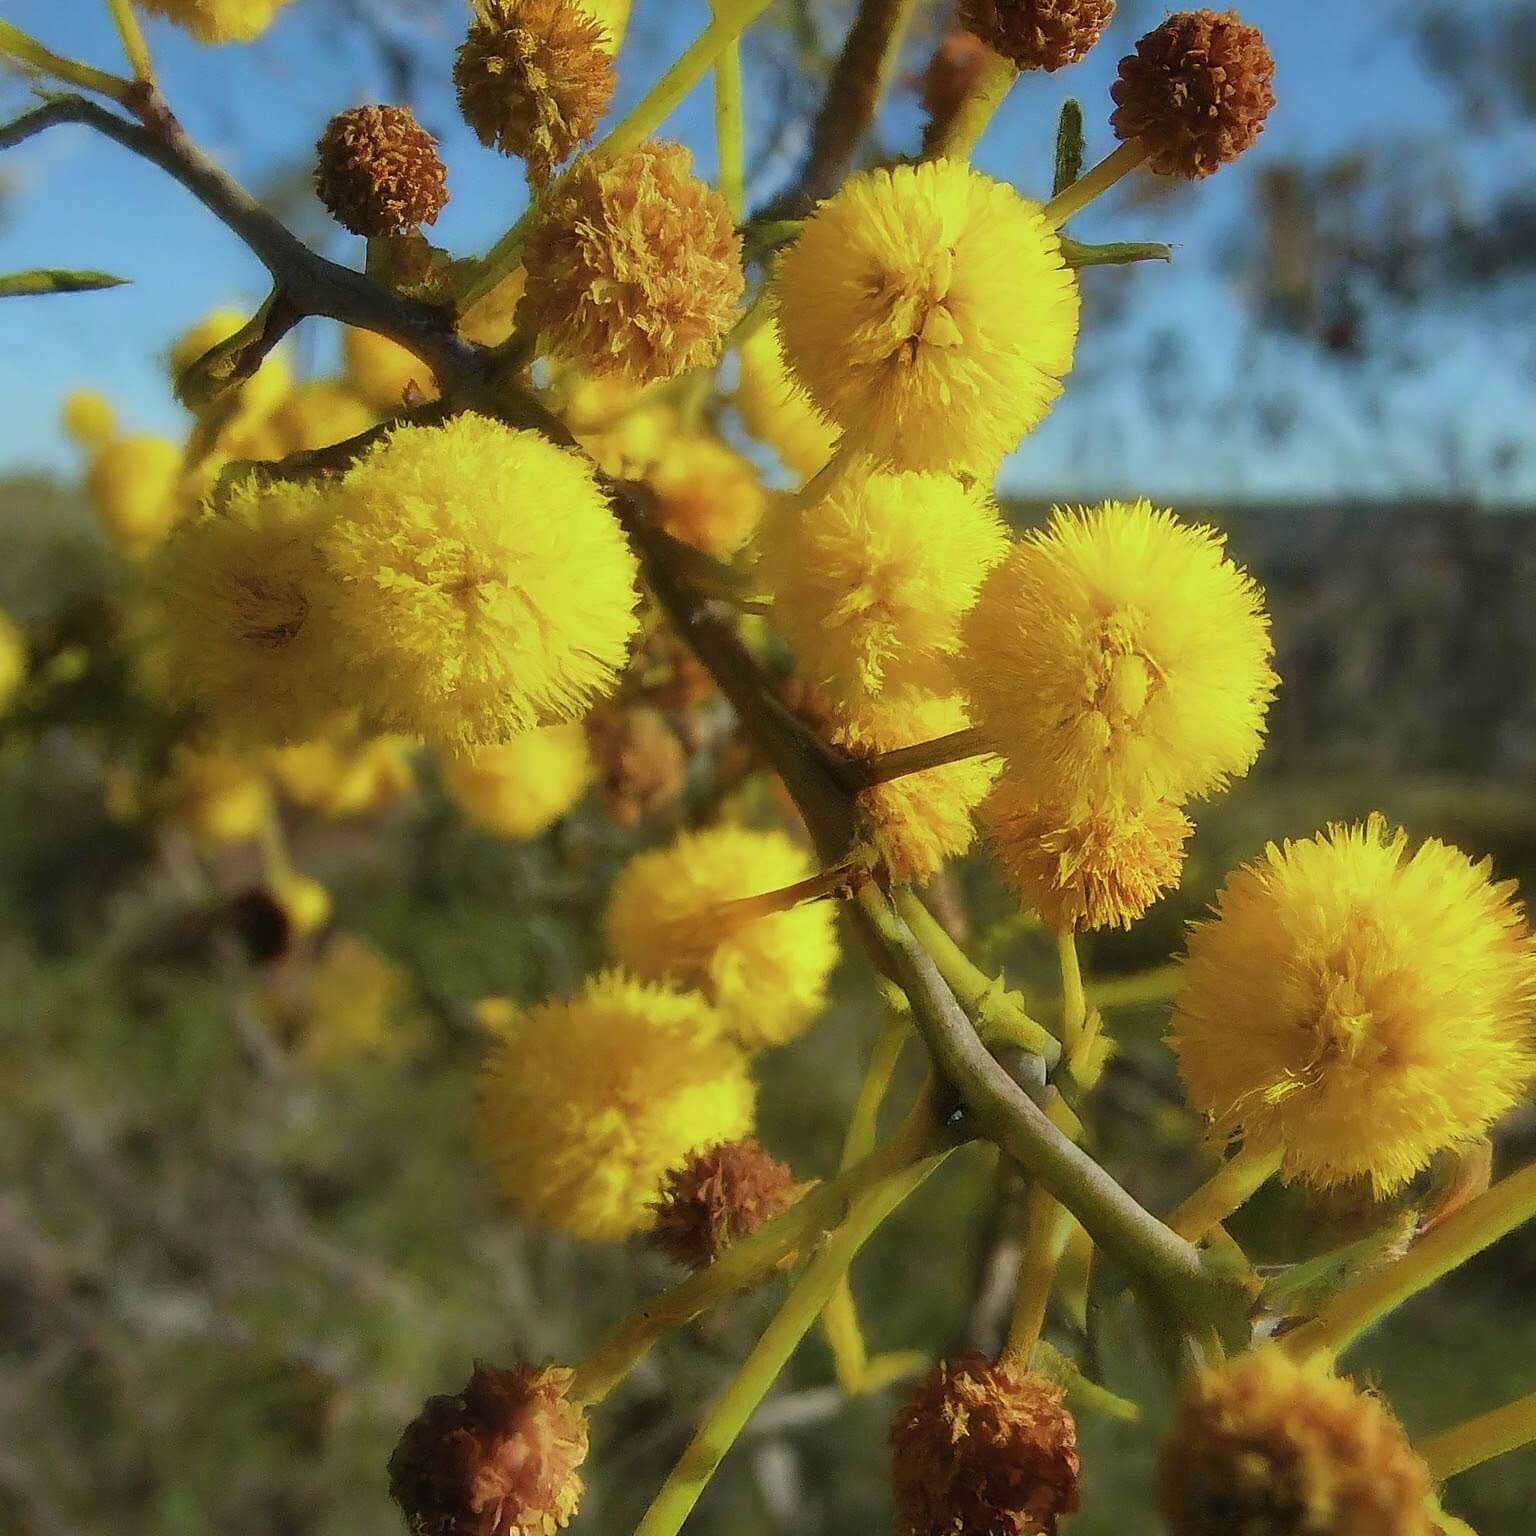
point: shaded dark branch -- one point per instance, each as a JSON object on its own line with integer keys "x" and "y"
{"x": 59, "y": 110}
{"x": 310, "y": 282}
{"x": 857, "y": 83}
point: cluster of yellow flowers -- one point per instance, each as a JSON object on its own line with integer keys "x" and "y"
{"x": 588, "y": 1102}
{"x": 336, "y": 571}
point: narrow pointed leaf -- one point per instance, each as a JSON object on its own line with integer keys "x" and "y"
{"x": 56, "y": 280}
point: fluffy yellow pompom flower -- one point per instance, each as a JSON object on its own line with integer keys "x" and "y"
{"x": 218, "y": 796}
{"x": 869, "y": 583}
{"x": 357, "y": 1004}
{"x": 88, "y": 417}
{"x": 248, "y": 617}
{"x": 132, "y": 484}
{"x": 343, "y": 778}
{"x": 587, "y": 1102}
{"x": 485, "y": 585}
{"x": 1267, "y": 1446}
{"x": 317, "y": 414}
{"x": 521, "y": 788}
{"x": 916, "y": 822}
{"x": 1081, "y": 867}
{"x": 614, "y": 17}
{"x": 685, "y": 913}
{"x": 303, "y": 900}
{"x": 13, "y": 660}
{"x": 634, "y": 266}
{"x": 383, "y": 372}
{"x": 1357, "y": 1007}
{"x": 218, "y": 21}
{"x": 775, "y": 409}
{"x": 707, "y": 495}
{"x": 928, "y": 313}
{"x": 1118, "y": 651}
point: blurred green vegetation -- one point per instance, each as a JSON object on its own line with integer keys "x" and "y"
{"x": 228, "y": 1279}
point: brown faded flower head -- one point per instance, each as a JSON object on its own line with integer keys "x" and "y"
{"x": 720, "y": 1195}
{"x": 378, "y": 172}
{"x": 1268, "y": 1447}
{"x": 1038, "y": 34}
{"x": 641, "y": 764}
{"x": 533, "y": 77}
{"x": 952, "y": 70}
{"x": 1197, "y": 91}
{"x": 983, "y": 1450}
{"x": 499, "y": 1459}
{"x": 634, "y": 267}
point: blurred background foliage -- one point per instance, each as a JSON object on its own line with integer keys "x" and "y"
{"x": 231, "y": 1268}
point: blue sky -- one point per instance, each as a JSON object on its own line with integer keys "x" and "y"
{"x": 74, "y": 200}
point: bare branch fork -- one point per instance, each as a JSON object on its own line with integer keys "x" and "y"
{"x": 822, "y": 782}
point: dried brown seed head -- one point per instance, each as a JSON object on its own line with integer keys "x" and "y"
{"x": 500, "y": 1459}
{"x": 1196, "y": 91}
{"x": 634, "y": 267}
{"x": 1038, "y": 34}
{"x": 1272, "y": 1448}
{"x": 641, "y": 763}
{"x": 983, "y": 1450}
{"x": 378, "y": 171}
{"x": 533, "y": 77}
{"x": 720, "y": 1195}
{"x": 952, "y": 71}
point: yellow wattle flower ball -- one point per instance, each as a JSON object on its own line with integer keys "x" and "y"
{"x": 383, "y": 372}
{"x": 337, "y": 777}
{"x": 304, "y": 902}
{"x": 485, "y": 586}
{"x": 218, "y": 21}
{"x": 928, "y": 313}
{"x": 357, "y": 1004}
{"x": 218, "y": 796}
{"x": 1357, "y": 1007}
{"x": 1080, "y": 866}
{"x": 614, "y": 17}
{"x": 317, "y": 414}
{"x": 587, "y": 1102}
{"x": 706, "y": 494}
{"x": 248, "y": 614}
{"x": 776, "y": 410}
{"x": 1120, "y": 652}
{"x": 684, "y": 914}
{"x": 919, "y": 821}
{"x": 521, "y": 788}
{"x": 88, "y": 417}
{"x": 132, "y": 484}
{"x": 869, "y": 583}
{"x": 1264, "y": 1445}
{"x": 13, "y": 660}
{"x": 634, "y": 265}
